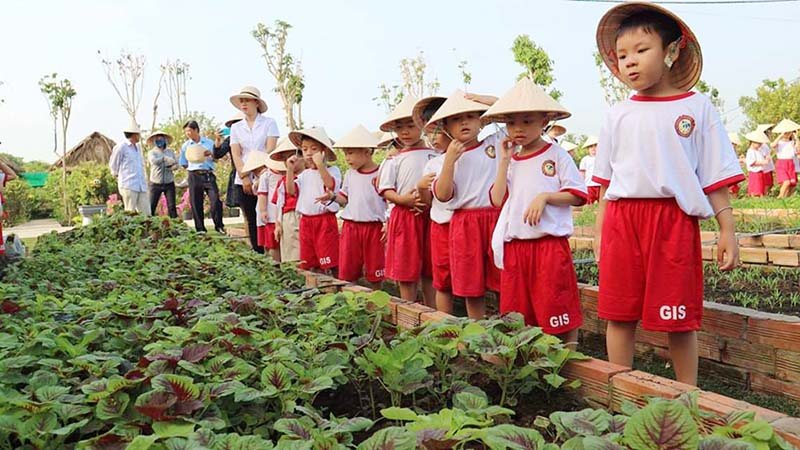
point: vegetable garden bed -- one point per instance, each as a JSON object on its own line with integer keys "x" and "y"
{"x": 136, "y": 333}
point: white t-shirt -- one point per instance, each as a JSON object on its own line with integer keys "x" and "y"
{"x": 310, "y": 187}
{"x": 363, "y": 202}
{"x": 786, "y": 150}
{"x": 587, "y": 166}
{"x": 253, "y": 138}
{"x": 473, "y": 176}
{"x": 439, "y": 212}
{"x": 766, "y": 152}
{"x": 551, "y": 169}
{"x": 672, "y": 147}
{"x": 267, "y": 184}
{"x": 751, "y": 157}
{"x": 404, "y": 170}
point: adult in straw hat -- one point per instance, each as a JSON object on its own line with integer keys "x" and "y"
{"x": 127, "y": 166}
{"x": 786, "y": 148}
{"x": 197, "y": 157}
{"x": 255, "y": 133}
{"x": 163, "y": 164}
{"x": 755, "y": 163}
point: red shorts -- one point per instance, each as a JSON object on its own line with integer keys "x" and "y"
{"x": 408, "y": 245}
{"x": 471, "y": 258}
{"x": 440, "y": 256}
{"x": 266, "y": 236}
{"x": 538, "y": 281}
{"x": 361, "y": 251}
{"x": 755, "y": 184}
{"x": 651, "y": 266}
{"x": 594, "y": 194}
{"x": 319, "y": 242}
{"x": 785, "y": 170}
{"x": 769, "y": 180}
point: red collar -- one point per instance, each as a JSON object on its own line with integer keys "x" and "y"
{"x": 369, "y": 172}
{"x": 669, "y": 98}
{"x": 536, "y": 153}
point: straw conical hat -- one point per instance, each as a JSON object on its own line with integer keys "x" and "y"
{"x": 252, "y": 93}
{"x": 402, "y": 111}
{"x": 426, "y": 108}
{"x": 454, "y": 105}
{"x": 568, "y": 146}
{"x": 319, "y": 135}
{"x": 524, "y": 97}
{"x": 358, "y": 137}
{"x": 590, "y": 141}
{"x": 757, "y": 136}
{"x": 734, "y": 138}
{"x": 239, "y": 116}
{"x": 687, "y": 68}
{"x": 560, "y": 129}
{"x": 786, "y": 126}
{"x": 385, "y": 138}
{"x": 254, "y": 161}
{"x": 283, "y": 150}
{"x": 764, "y": 127}
{"x": 156, "y": 134}
{"x": 196, "y": 153}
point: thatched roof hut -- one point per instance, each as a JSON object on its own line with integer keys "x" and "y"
{"x": 12, "y": 165}
{"x": 93, "y": 148}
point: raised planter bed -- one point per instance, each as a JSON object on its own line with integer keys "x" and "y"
{"x": 608, "y": 384}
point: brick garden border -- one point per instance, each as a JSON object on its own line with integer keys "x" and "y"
{"x": 609, "y": 384}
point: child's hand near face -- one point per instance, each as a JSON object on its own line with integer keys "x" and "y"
{"x": 507, "y": 149}
{"x": 454, "y": 150}
{"x": 318, "y": 158}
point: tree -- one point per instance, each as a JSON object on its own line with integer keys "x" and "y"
{"x": 289, "y": 81}
{"x": 413, "y": 73}
{"x": 614, "y": 90}
{"x": 59, "y": 94}
{"x": 175, "y": 75}
{"x": 538, "y": 65}
{"x": 713, "y": 95}
{"x": 774, "y": 100}
{"x": 126, "y": 74}
{"x": 466, "y": 76}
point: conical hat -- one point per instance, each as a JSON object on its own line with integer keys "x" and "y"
{"x": 524, "y": 97}
{"x": 687, "y": 68}
{"x": 283, "y": 150}
{"x": 196, "y": 153}
{"x": 454, "y": 105}
{"x": 560, "y": 129}
{"x": 426, "y": 108}
{"x": 255, "y": 159}
{"x": 358, "y": 137}
{"x": 764, "y": 127}
{"x": 153, "y": 137}
{"x": 734, "y": 138}
{"x": 590, "y": 141}
{"x": 402, "y": 111}
{"x": 568, "y": 146}
{"x": 757, "y": 136}
{"x": 319, "y": 135}
{"x": 786, "y": 126}
{"x": 237, "y": 117}
{"x": 385, "y": 138}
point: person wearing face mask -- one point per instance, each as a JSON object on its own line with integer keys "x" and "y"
{"x": 162, "y": 167}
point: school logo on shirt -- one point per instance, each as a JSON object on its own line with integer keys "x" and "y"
{"x": 684, "y": 126}
{"x": 490, "y": 151}
{"x": 549, "y": 168}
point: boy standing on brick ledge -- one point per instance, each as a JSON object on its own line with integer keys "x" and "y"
{"x": 664, "y": 160}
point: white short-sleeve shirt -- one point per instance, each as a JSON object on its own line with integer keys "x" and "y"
{"x": 404, "y": 170}
{"x": 253, "y": 139}
{"x": 767, "y": 153}
{"x": 550, "y": 169}
{"x": 439, "y": 212}
{"x": 786, "y": 150}
{"x": 363, "y": 202}
{"x": 473, "y": 176}
{"x": 310, "y": 187}
{"x": 267, "y": 184}
{"x": 587, "y": 166}
{"x": 751, "y": 158}
{"x": 666, "y": 147}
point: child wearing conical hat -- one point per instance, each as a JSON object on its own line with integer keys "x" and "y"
{"x": 463, "y": 184}
{"x": 755, "y": 163}
{"x": 266, "y": 211}
{"x": 766, "y": 152}
{"x": 786, "y": 147}
{"x": 536, "y": 183}
{"x": 287, "y": 226}
{"x": 586, "y": 168}
{"x": 664, "y": 161}
{"x": 408, "y": 260}
{"x": 319, "y": 230}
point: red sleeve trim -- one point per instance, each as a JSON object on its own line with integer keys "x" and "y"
{"x": 730, "y": 181}
{"x": 601, "y": 181}
{"x": 578, "y": 193}
{"x": 383, "y": 191}
{"x": 505, "y": 197}
{"x": 264, "y": 193}
{"x": 452, "y": 194}
{"x": 343, "y": 194}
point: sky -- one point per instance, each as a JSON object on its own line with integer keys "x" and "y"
{"x": 347, "y": 48}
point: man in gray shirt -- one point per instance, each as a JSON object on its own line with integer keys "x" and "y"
{"x": 162, "y": 165}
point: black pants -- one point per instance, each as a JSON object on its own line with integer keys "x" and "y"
{"x": 168, "y": 189}
{"x": 203, "y": 182}
{"x": 247, "y": 203}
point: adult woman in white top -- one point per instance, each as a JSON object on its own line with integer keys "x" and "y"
{"x": 255, "y": 132}
{"x": 786, "y": 148}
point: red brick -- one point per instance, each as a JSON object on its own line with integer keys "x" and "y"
{"x": 311, "y": 278}
{"x": 435, "y": 316}
{"x": 636, "y": 385}
{"x": 789, "y": 429}
{"x": 656, "y": 338}
{"x": 787, "y": 365}
{"x": 778, "y": 333}
{"x": 752, "y": 357}
{"x": 595, "y": 376}
{"x": 408, "y": 315}
{"x": 356, "y": 289}
{"x": 708, "y": 252}
{"x": 751, "y": 241}
{"x": 763, "y": 383}
{"x": 724, "y": 320}
{"x": 794, "y": 241}
{"x": 753, "y": 255}
{"x": 591, "y": 323}
{"x": 708, "y": 346}
{"x": 776, "y": 240}
{"x": 706, "y": 236}
{"x": 590, "y": 292}
{"x": 722, "y": 406}
{"x": 790, "y": 258}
